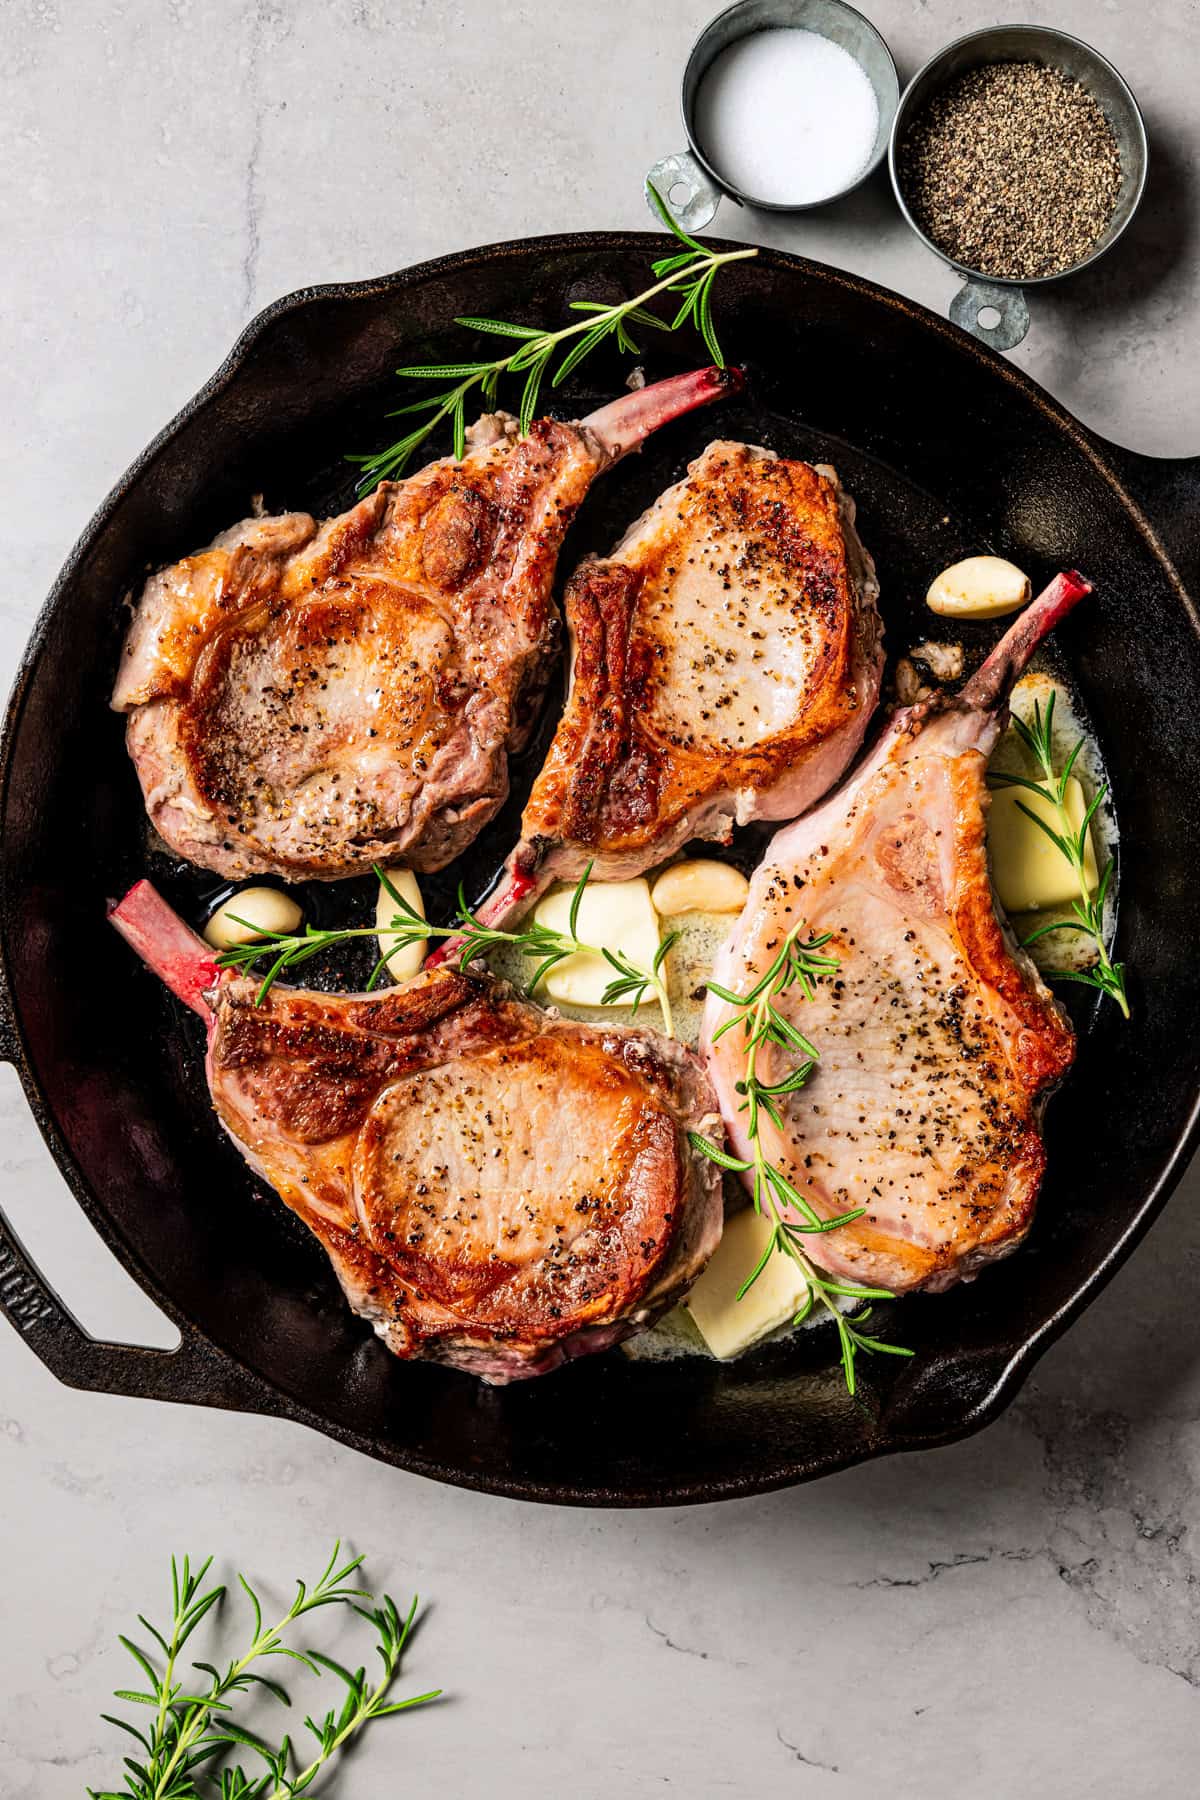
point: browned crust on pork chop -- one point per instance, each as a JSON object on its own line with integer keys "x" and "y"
{"x": 726, "y": 661}
{"x": 497, "y": 1188}
{"x": 305, "y": 700}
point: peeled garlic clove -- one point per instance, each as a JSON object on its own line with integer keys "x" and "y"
{"x": 407, "y": 958}
{"x": 908, "y": 683}
{"x": 980, "y": 587}
{"x": 263, "y": 910}
{"x": 700, "y": 885}
{"x": 945, "y": 661}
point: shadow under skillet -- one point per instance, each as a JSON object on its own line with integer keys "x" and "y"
{"x": 1153, "y": 252}
{"x": 1098, "y": 333}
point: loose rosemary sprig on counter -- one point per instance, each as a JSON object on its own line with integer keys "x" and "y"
{"x": 689, "y": 272}
{"x": 630, "y": 986}
{"x": 191, "y": 1721}
{"x": 1072, "y": 843}
{"x": 799, "y": 964}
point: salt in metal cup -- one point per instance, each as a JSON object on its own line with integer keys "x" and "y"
{"x": 690, "y": 186}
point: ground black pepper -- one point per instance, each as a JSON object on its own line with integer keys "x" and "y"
{"x": 1012, "y": 170}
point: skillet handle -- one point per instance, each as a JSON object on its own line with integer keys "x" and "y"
{"x": 196, "y": 1372}
{"x": 697, "y": 197}
{"x": 1168, "y": 490}
{"x": 1007, "y": 313}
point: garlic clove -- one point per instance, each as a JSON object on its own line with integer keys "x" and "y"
{"x": 701, "y": 885}
{"x": 944, "y": 661}
{"x": 264, "y": 909}
{"x": 979, "y": 587}
{"x": 403, "y": 960}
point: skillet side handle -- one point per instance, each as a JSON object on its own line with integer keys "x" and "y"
{"x": 1168, "y": 490}
{"x": 196, "y": 1373}
{"x": 696, "y": 196}
{"x": 1008, "y": 314}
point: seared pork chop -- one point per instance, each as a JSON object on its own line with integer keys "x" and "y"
{"x": 938, "y": 1039}
{"x": 495, "y": 1187}
{"x": 726, "y": 661}
{"x": 305, "y": 700}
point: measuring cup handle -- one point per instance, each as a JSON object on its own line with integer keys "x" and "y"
{"x": 976, "y": 297}
{"x": 699, "y": 207}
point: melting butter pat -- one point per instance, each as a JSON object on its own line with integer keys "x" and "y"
{"x": 729, "y": 1325}
{"x": 1028, "y": 871}
{"x": 614, "y": 915}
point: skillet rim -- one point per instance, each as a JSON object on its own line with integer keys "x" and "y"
{"x": 259, "y": 1395}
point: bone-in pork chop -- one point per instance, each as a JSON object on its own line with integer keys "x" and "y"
{"x": 937, "y": 1037}
{"x": 307, "y": 699}
{"x": 726, "y": 661}
{"x": 495, "y": 1187}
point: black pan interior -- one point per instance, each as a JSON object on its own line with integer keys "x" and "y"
{"x": 946, "y": 451}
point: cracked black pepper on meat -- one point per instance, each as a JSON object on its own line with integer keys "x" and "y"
{"x": 1012, "y": 170}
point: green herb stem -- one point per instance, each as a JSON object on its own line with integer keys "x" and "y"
{"x": 631, "y": 985}
{"x": 690, "y": 273}
{"x": 798, "y": 964}
{"x": 1072, "y": 843}
{"x": 192, "y": 1728}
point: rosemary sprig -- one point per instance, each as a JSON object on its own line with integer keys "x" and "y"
{"x": 1038, "y": 739}
{"x": 799, "y": 964}
{"x": 192, "y": 1724}
{"x": 631, "y": 986}
{"x": 689, "y": 273}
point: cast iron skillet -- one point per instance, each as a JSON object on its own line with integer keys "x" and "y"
{"x": 947, "y": 449}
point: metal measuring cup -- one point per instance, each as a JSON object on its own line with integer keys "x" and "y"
{"x": 687, "y": 182}
{"x": 982, "y": 295}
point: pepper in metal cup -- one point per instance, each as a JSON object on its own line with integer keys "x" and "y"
{"x": 993, "y": 307}
{"x": 690, "y": 184}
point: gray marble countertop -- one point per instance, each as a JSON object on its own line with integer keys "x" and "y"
{"x": 1014, "y": 1616}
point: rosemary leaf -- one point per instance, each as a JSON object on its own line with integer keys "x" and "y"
{"x": 499, "y": 327}
{"x": 793, "y": 1216}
